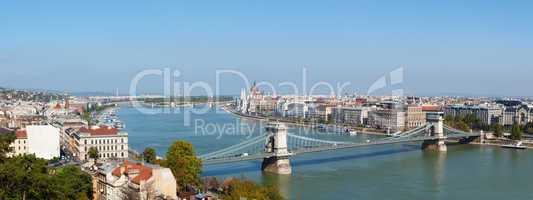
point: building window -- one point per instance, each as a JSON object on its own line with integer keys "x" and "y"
{"x": 122, "y": 154}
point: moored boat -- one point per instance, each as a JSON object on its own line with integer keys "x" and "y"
{"x": 517, "y": 145}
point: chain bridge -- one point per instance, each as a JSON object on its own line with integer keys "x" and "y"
{"x": 276, "y": 145}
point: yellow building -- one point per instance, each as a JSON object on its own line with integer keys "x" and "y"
{"x": 415, "y": 117}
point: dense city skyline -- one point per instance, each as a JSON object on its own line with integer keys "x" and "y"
{"x": 345, "y": 99}
{"x": 446, "y": 48}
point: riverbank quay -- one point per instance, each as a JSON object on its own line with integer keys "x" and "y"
{"x": 304, "y": 124}
{"x": 528, "y": 144}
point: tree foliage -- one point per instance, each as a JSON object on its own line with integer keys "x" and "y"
{"x": 28, "y": 177}
{"x": 529, "y": 128}
{"x": 73, "y": 183}
{"x": 463, "y": 126}
{"x": 87, "y": 116}
{"x": 149, "y": 155}
{"x": 5, "y": 141}
{"x": 516, "y": 133}
{"x": 498, "y": 130}
{"x": 182, "y": 161}
{"x": 93, "y": 153}
{"x": 465, "y": 123}
{"x": 237, "y": 189}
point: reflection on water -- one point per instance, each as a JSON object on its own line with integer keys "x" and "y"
{"x": 282, "y": 182}
{"x": 434, "y": 163}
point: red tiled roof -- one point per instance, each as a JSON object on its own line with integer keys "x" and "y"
{"x": 21, "y": 134}
{"x": 430, "y": 108}
{"x": 144, "y": 173}
{"x": 116, "y": 172}
{"x": 104, "y": 130}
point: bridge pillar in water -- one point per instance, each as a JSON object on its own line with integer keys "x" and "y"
{"x": 279, "y": 162}
{"x": 435, "y": 119}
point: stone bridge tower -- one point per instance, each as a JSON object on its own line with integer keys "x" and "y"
{"x": 279, "y": 162}
{"x": 435, "y": 119}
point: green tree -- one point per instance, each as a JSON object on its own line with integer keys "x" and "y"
{"x": 516, "y": 133}
{"x": 93, "y": 153}
{"x": 5, "y": 142}
{"x": 28, "y": 177}
{"x": 237, "y": 189}
{"x": 498, "y": 130}
{"x": 463, "y": 126}
{"x": 448, "y": 119}
{"x": 87, "y": 116}
{"x": 529, "y": 127}
{"x": 25, "y": 177}
{"x": 73, "y": 183}
{"x": 149, "y": 155}
{"x": 182, "y": 161}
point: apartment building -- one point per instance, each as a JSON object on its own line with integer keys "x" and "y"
{"x": 414, "y": 117}
{"x": 110, "y": 142}
{"x": 40, "y": 140}
{"x": 487, "y": 114}
{"x": 387, "y": 119}
{"x": 20, "y": 145}
{"x": 352, "y": 116}
{"x": 134, "y": 180}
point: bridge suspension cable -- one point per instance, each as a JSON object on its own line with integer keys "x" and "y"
{"x": 254, "y": 148}
{"x": 459, "y": 133}
{"x": 232, "y": 149}
{"x": 317, "y": 140}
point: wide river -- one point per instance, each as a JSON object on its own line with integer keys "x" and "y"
{"x": 380, "y": 172}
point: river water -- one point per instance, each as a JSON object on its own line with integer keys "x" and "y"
{"x": 400, "y": 171}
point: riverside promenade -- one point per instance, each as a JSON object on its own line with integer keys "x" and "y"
{"x": 302, "y": 124}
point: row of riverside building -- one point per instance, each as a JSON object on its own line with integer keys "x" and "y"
{"x": 503, "y": 112}
{"x": 387, "y": 113}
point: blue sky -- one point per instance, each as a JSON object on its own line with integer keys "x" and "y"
{"x": 459, "y": 47}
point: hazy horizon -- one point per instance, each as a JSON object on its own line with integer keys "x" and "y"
{"x": 475, "y": 48}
